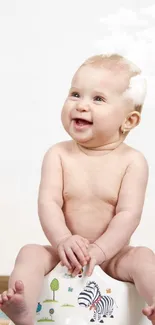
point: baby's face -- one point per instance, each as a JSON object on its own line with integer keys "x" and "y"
{"x": 95, "y": 107}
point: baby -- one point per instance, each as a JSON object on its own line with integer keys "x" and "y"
{"x": 92, "y": 190}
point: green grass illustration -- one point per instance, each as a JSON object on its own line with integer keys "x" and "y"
{"x": 50, "y": 300}
{"x": 45, "y": 320}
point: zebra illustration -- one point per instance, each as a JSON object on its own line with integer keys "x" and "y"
{"x": 91, "y": 297}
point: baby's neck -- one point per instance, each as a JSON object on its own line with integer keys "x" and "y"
{"x": 100, "y": 151}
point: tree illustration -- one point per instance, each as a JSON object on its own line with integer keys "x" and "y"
{"x": 54, "y": 287}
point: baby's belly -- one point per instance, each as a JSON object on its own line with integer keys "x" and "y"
{"x": 88, "y": 219}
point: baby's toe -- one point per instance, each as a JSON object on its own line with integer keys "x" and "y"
{"x": 19, "y": 287}
{"x": 1, "y": 300}
{"x": 4, "y": 296}
{"x": 10, "y": 293}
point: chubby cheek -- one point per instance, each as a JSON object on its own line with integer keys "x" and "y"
{"x": 108, "y": 123}
{"x": 65, "y": 116}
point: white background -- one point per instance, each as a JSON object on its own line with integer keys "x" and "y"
{"x": 41, "y": 45}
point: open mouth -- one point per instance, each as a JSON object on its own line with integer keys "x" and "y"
{"x": 81, "y": 122}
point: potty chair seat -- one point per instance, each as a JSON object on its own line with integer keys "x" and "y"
{"x": 82, "y": 300}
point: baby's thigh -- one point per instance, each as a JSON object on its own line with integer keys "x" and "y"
{"x": 120, "y": 266}
{"x": 43, "y": 257}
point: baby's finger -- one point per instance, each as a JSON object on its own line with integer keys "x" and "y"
{"x": 86, "y": 241}
{"x": 84, "y": 249}
{"x": 72, "y": 258}
{"x": 91, "y": 266}
{"x": 64, "y": 259}
{"x": 79, "y": 254}
{"x": 75, "y": 272}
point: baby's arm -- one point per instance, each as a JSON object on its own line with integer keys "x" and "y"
{"x": 50, "y": 199}
{"x": 50, "y": 202}
{"x": 128, "y": 209}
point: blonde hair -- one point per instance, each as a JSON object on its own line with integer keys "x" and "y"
{"x": 137, "y": 83}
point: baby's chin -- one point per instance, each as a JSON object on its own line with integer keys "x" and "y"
{"x": 86, "y": 142}
{"x": 83, "y": 142}
{"x": 85, "y": 138}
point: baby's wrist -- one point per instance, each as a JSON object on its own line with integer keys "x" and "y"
{"x": 62, "y": 239}
{"x": 102, "y": 251}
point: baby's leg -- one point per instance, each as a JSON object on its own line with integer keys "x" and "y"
{"x": 25, "y": 283}
{"x": 137, "y": 265}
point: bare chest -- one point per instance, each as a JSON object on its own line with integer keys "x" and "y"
{"x": 92, "y": 179}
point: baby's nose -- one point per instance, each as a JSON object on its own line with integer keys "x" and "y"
{"x": 82, "y": 107}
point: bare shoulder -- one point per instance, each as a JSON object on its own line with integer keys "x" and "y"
{"x": 59, "y": 149}
{"x": 136, "y": 159}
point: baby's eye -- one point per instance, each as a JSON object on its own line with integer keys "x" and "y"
{"x": 99, "y": 99}
{"x": 75, "y": 94}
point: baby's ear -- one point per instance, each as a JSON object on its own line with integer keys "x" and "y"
{"x": 131, "y": 121}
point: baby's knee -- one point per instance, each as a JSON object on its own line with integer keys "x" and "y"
{"x": 39, "y": 257}
{"x": 140, "y": 252}
{"x": 31, "y": 252}
{"x": 140, "y": 256}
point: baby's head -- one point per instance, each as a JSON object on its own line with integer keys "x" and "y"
{"x": 105, "y": 101}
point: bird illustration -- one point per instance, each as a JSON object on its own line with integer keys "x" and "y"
{"x": 39, "y": 307}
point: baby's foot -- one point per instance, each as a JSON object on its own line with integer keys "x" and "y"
{"x": 12, "y": 303}
{"x": 149, "y": 311}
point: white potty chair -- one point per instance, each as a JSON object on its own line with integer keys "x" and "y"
{"x": 85, "y": 300}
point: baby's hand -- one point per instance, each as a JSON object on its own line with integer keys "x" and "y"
{"x": 73, "y": 253}
{"x": 97, "y": 257}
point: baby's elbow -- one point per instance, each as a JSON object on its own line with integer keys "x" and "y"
{"x": 132, "y": 219}
{"x": 135, "y": 219}
{"x": 40, "y": 209}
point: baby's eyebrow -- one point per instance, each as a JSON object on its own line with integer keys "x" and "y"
{"x": 75, "y": 88}
{"x": 99, "y": 92}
